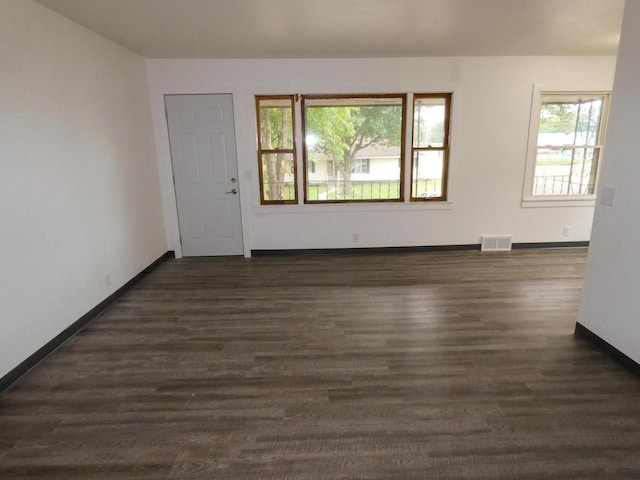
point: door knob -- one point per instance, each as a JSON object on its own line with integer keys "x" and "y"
{"x": 232, "y": 192}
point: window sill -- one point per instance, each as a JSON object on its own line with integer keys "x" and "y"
{"x": 559, "y": 202}
{"x": 355, "y": 207}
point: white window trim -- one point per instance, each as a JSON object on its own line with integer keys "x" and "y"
{"x": 530, "y": 200}
{"x": 364, "y": 207}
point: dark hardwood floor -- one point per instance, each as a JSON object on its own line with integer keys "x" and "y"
{"x": 388, "y": 366}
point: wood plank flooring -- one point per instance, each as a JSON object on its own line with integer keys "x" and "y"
{"x": 350, "y": 366}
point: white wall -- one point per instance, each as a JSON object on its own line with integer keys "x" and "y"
{"x": 610, "y": 305}
{"x": 79, "y": 191}
{"x": 490, "y": 124}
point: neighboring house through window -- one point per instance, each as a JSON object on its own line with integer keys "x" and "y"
{"x": 360, "y": 165}
{"x": 329, "y": 167}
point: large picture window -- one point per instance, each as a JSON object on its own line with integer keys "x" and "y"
{"x": 276, "y": 149}
{"x": 353, "y": 145}
{"x": 564, "y": 161}
{"x": 430, "y": 147}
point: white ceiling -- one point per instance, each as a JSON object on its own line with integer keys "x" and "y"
{"x": 351, "y": 28}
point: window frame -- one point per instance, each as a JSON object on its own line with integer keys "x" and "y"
{"x": 538, "y": 97}
{"x": 291, "y": 151}
{"x": 403, "y": 134}
{"x": 445, "y": 149}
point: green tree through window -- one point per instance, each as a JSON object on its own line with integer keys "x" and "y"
{"x": 337, "y": 129}
{"x": 276, "y": 149}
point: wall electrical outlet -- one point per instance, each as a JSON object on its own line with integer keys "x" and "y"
{"x": 356, "y": 237}
{"x": 566, "y": 231}
{"x": 107, "y": 280}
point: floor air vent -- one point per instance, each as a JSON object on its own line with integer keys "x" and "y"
{"x": 495, "y": 243}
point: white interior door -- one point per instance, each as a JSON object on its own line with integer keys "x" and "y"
{"x": 205, "y": 169}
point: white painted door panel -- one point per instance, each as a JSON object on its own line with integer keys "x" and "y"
{"x": 203, "y": 153}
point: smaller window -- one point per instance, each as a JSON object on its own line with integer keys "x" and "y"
{"x": 331, "y": 168}
{"x": 276, "y": 149}
{"x": 564, "y": 161}
{"x": 430, "y": 149}
{"x": 360, "y": 165}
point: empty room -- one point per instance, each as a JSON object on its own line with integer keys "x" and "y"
{"x": 305, "y": 239}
